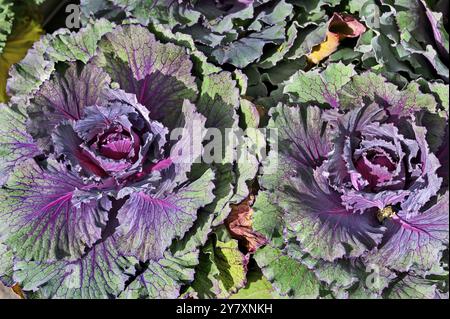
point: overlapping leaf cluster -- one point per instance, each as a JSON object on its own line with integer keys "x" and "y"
{"x": 361, "y": 189}
{"x": 269, "y": 39}
{"x": 97, "y": 200}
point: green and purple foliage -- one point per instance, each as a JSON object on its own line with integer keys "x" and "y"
{"x": 229, "y": 31}
{"x": 97, "y": 200}
{"x": 362, "y": 185}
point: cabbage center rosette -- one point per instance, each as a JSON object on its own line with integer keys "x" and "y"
{"x": 359, "y": 183}
{"x": 98, "y": 199}
{"x": 115, "y": 140}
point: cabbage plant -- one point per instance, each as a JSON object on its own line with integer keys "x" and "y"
{"x": 125, "y": 171}
{"x": 405, "y": 40}
{"x": 99, "y": 198}
{"x": 358, "y": 201}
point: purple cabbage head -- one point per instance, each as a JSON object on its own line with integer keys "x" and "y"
{"x": 359, "y": 180}
{"x": 96, "y": 188}
{"x": 117, "y": 140}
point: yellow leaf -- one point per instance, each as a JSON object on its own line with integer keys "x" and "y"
{"x": 18, "y": 291}
{"x": 325, "y": 49}
{"x": 340, "y": 27}
{"x": 19, "y": 42}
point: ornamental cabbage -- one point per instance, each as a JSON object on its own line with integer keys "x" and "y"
{"x": 405, "y": 39}
{"x": 268, "y": 39}
{"x": 125, "y": 170}
{"x": 360, "y": 192}
{"x": 230, "y": 31}
{"x": 99, "y": 199}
